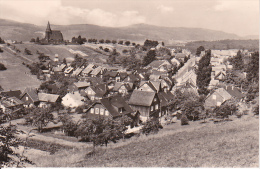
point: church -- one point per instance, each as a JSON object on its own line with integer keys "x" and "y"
{"x": 53, "y": 36}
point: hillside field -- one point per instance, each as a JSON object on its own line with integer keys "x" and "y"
{"x": 226, "y": 144}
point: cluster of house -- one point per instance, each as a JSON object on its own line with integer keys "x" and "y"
{"x": 144, "y": 92}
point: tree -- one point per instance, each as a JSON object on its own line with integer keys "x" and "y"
{"x": 79, "y": 40}
{"x": 150, "y": 43}
{"x": 8, "y": 141}
{"x": 184, "y": 119}
{"x": 39, "y": 117}
{"x": 121, "y": 42}
{"x": 192, "y": 109}
{"x": 204, "y": 73}
{"x": 101, "y": 41}
{"x": 37, "y": 40}
{"x": 150, "y": 56}
{"x": 2, "y": 67}
{"x": 114, "y": 41}
{"x": 27, "y": 51}
{"x": 108, "y": 41}
{"x": 162, "y": 43}
{"x": 68, "y": 125}
{"x": 225, "y": 110}
{"x": 127, "y": 43}
{"x": 199, "y": 49}
{"x": 106, "y": 50}
{"x": 32, "y": 40}
{"x": 1, "y": 50}
{"x": 151, "y": 126}
{"x": 133, "y": 44}
{"x": 125, "y": 51}
{"x": 73, "y": 40}
{"x": 64, "y": 61}
{"x": 1, "y": 41}
{"x": 256, "y": 110}
{"x": 253, "y": 68}
{"x": 237, "y": 61}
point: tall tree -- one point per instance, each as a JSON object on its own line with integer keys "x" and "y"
{"x": 204, "y": 73}
{"x": 253, "y": 68}
{"x": 199, "y": 49}
{"x": 150, "y": 56}
{"x": 237, "y": 61}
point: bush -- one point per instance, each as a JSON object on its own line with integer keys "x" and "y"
{"x": 2, "y": 67}
{"x": 256, "y": 110}
{"x": 1, "y": 50}
{"x": 125, "y": 51}
{"x": 106, "y": 50}
{"x": 184, "y": 120}
{"x": 151, "y": 126}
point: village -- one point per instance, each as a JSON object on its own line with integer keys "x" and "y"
{"x": 166, "y": 86}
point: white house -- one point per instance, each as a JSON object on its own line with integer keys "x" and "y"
{"x": 73, "y": 100}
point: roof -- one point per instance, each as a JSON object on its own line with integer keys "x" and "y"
{"x": 15, "y": 93}
{"x": 128, "y": 86}
{"x": 141, "y": 98}
{"x": 45, "y": 97}
{"x": 111, "y": 73}
{"x": 77, "y": 71}
{"x": 59, "y": 68}
{"x": 223, "y": 93}
{"x": 165, "y": 97}
{"x": 233, "y": 91}
{"x": 149, "y": 84}
{"x": 100, "y": 90}
{"x": 81, "y": 84}
{"x": 132, "y": 77}
{"x": 113, "y": 103}
{"x": 88, "y": 69}
{"x": 68, "y": 70}
{"x": 190, "y": 77}
{"x": 180, "y": 55}
{"x": 158, "y": 63}
{"x": 75, "y": 96}
{"x": 96, "y": 71}
{"x": 123, "y": 75}
{"x": 11, "y": 101}
{"x": 32, "y": 92}
{"x": 56, "y": 35}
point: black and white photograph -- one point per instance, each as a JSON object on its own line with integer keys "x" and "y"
{"x": 129, "y": 83}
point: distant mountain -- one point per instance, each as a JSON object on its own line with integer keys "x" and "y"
{"x": 139, "y": 32}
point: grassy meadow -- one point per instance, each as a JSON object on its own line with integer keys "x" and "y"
{"x": 226, "y": 144}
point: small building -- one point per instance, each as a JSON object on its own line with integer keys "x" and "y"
{"x": 145, "y": 102}
{"x": 96, "y": 92}
{"x": 68, "y": 71}
{"x": 150, "y": 86}
{"x": 123, "y": 88}
{"x": 10, "y": 103}
{"x": 111, "y": 107}
{"x": 30, "y": 97}
{"x": 216, "y": 98}
{"x": 77, "y": 72}
{"x": 59, "y": 68}
{"x": 180, "y": 56}
{"x": 78, "y": 86}
{"x": 14, "y": 93}
{"x": 86, "y": 72}
{"x": 112, "y": 76}
{"x": 73, "y": 100}
{"x": 160, "y": 65}
{"x": 176, "y": 61}
{"x": 47, "y": 99}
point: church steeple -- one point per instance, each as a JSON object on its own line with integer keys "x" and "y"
{"x": 48, "y": 29}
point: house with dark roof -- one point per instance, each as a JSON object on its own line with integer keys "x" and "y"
{"x": 46, "y": 99}
{"x": 30, "y": 97}
{"x": 165, "y": 99}
{"x": 123, "y": 88}
{"x": 111, "y": 107}
{"x": 217, "y": 97}
{"x": 111, "y": 75}
{"x": 235, "y": 92}
{"x": 88, "y": 69}
{"x": 10, "y": 103}
{"x": 98, "y": 72}
{"x": 145, "y": 102}
{"x": 180, "y": 56}
{"x": 150, "y": 86}
{"x": 78, "y": 86}
{"x": 96, "y": 92}
{"x": 160, "y": 65}
{"x": 14, "y": 93}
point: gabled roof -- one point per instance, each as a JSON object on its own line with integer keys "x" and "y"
{"x": 59, "y": 68}
{"x": 123, "y": 75}
{"x": 149, "y": 84}
{"x": 133, "y": 78}
{"x": 96, "y": 71}
{"x": 222, "y": 92}
{"x": 11, "y": 101}
{"x": 15, "y": 93}
{"x": 165, "y": 97}
{"x": 141, "y": 98}
{"x": 180, "y": 55}
{"x": 111, "y": 74}
{"x": 45, "y": 97}
{"x": 77, "y": 71}
{"x": 128, "y": 86}
{"x": 158, "y": 63}
{"x": 88, "y": 69}
{"x": 233, "y": 91}
{"x": 68, "y": 70}
{"x": 100, "y": 90}
{"x": 82, "y": 84}
{"x": 32, "y": 92}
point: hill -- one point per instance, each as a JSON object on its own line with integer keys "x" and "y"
{"x": 138, "y": 33}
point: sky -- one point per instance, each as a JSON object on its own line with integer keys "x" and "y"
{"x": 232, "y": 16}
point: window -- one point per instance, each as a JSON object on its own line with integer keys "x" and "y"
{"x": 151, "y": 108}
{"x": 155, "y": 99}
{"x": 218, "y": 103}
{"x": 26, "y": 98}
{"x": 106, "y": 113}
{"x": 92, "y": 110}
{"x": 97, "y": 111}
{"x": 156, "y": 107}
{"x": 214, "y": 97}
{"x": 101, "y": 111}
{"x": 92, "y": 98}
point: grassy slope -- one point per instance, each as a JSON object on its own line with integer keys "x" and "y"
{"x": 230, "y": 144}
{"x": 17, "y": 76}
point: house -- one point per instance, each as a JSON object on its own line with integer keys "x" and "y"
{"x": 59, "y": 68}
{"x": 78, "y": 86}
{"x": 180, "y": 56}
{"x": 96, "y": 92}
{"x": 73, "y": 100}
{"x": 111, "y": 75}
{"x": 176, "y": 61}
{"x": 235, "y": 92}
{"x": 15, "y": 93}
{"x": 187, "y": 89}
{"x": 110, "y": 85}
{"x": 145, "y": 102}
{"x": 220, "y": 76}
{"x": 10, "y": 103}
{"x": 98, "y": 72}
{"x": 123, "y": 88}
{"x": 216, "y": 98}
{"x": 131, "y": 78}
{"x": 150, "y": 86}
{"x": 160, "y": 65}
{"x": 47, "y": 99}
{"x": 77, "y": 72}
{"x": 122, "y": 75}
{"x": 29, "y": 97}
{"x": 111, "y": 107}
{"x": 190, "y": 77}
{"x": 88, "y": 69}
{"x": 68, "y": 71}
{"x": 165, "y": 99}
{"x": 230, "y": 52}
{"x": 216, "y": 61}
{"x": 166, "y": 84}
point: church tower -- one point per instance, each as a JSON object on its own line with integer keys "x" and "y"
{"x": 48, "y": 32}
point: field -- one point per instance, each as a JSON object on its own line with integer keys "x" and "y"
{"x": 63, "y": 51}
{"x": 226, "y": 144}
{"x": 17, "y": 76}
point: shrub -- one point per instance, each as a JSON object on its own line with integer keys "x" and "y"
{"x": 2, "y": 67}
{"x": 184, "y": 120}
{"x": 256, "y": 110}
{"x": 1, "y": 50}
{"x": 106, "y": 50}
{"x": 125, "y": 51}
{"x": 151, "y": 126}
